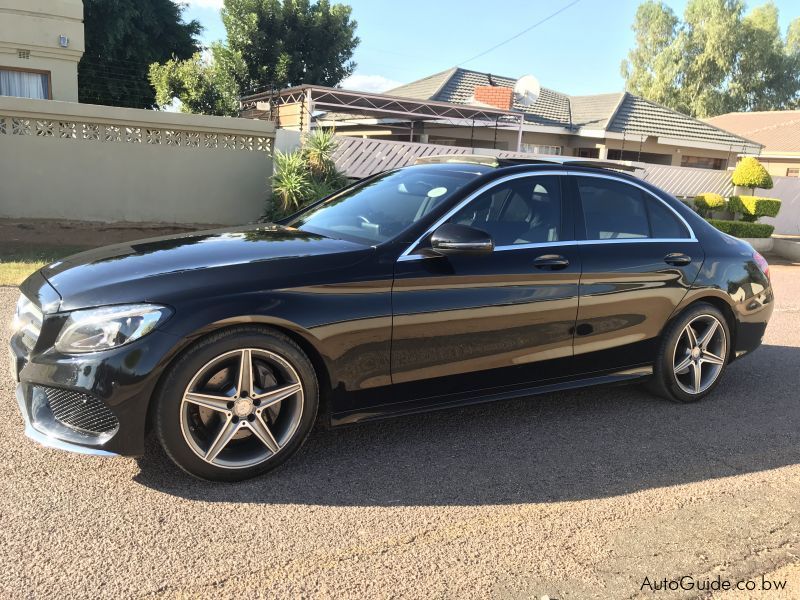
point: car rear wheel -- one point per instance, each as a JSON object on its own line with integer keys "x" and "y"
{"x": 237, "y": 404}
{"x": 693, "y": 355}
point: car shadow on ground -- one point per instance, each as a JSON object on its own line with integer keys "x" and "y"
{"x": 592, "y": 443}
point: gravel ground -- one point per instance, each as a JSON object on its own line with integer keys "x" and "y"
{"x": 571, "y": 495}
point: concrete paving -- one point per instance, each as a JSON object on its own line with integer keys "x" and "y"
{"x": 573, "y": 495}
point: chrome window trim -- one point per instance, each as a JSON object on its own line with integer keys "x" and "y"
{"x": 407, "y": 256}
{"x": 633, "y": 240}
{"x": 536, "y": 245}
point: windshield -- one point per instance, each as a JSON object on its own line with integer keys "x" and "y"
{"x": 384, "y": 207}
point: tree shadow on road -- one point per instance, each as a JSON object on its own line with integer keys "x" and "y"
{"x": 592, "y": 443}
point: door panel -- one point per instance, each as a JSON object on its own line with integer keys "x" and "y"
{"x": 639, "y": 259}
{"x": 464, "y": 323}
{"x": 627, "y": 294}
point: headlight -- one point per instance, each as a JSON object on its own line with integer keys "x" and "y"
{"x": 109, "y": 327}
{"x": 16, "y": 321}
{"x": 27, "y": 317}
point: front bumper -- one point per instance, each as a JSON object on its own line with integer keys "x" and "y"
{"x": 116, "y": 384}
{"x": 48, "y": 438}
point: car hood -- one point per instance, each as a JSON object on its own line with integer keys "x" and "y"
{"x": 154, "y": 268}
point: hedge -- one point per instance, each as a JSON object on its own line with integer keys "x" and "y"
{"x": 743, "y": 229}
{"x": 709, "y": 201}
{"x": 750, "y": 173}
{"x": 754, "y": 206}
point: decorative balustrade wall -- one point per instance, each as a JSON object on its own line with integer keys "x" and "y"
{"x": 64, "y": 160}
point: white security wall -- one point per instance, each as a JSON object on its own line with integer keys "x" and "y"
{"x": 63, "y": 160}
{"x": 788, "y": 219}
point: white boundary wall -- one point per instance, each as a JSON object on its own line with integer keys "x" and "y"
{"x": 63, "y": 160}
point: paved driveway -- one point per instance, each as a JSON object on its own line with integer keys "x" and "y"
{"x": 573, "y": 495}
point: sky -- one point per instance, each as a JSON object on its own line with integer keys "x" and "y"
{"x": 578, "y": 51}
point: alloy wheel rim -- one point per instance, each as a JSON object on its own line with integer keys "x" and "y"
{"x": 699, "y": 354}
{"x": 242, "y": 408}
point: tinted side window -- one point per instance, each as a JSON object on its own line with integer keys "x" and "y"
{"x": 520, "y": 211}
{"x": 663, "y": 222}
{"x": 612, "y": 210}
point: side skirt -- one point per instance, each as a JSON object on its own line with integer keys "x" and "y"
{"x": 420, "y": 406}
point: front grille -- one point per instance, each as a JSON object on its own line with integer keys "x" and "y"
{"x": 80, "y": 411}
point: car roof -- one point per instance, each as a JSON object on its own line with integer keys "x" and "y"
{"x": 499, "y": 162}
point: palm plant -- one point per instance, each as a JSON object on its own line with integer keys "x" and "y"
{"x": 319, "y": 188}
{"x": 290, "y": 183}
{"x": 318, "y": 148}
{"x": 305, "y": 175}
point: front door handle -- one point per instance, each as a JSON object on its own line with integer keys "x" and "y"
{"x": 552, "y": 262}
{"x": 677, "y": 259}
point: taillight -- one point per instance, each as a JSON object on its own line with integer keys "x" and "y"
{"x": 762, "y": 263}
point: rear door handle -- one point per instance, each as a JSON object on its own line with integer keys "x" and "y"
{"x": 677, "y": 259}
{"x": 552, "y": 262}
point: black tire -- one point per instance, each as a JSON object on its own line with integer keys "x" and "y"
{"x": 665, "y": 382}
{"x": 170, "y": 408}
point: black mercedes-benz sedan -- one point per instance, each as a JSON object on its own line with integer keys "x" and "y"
{"x": 454, "y": 281}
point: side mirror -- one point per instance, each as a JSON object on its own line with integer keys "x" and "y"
{"x": 452, "y": 238}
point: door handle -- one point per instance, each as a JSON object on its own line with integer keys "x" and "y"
{"x": 553, "y": 262}
{"x": 677, "y": 259}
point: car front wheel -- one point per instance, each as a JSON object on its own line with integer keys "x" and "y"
{"x": 237, "y": 404}
{"x": 693, "y": 355}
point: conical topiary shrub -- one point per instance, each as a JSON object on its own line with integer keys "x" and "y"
{"x": 751, "y": 174}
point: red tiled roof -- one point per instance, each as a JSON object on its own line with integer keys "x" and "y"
{"x": 778, "y": 131}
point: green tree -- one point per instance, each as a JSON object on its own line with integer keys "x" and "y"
{"x": 767, "y": 74}
{"x": 269, "y": 43}
{"x": 204, "y": 85}
{"x": 715, "y": 60}
{"x": 651, "y": 69}
{"x": 122, "y": 39}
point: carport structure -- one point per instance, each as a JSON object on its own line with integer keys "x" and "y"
{"x": 306, "y": 106}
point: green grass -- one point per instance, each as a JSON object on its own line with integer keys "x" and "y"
{"x": 18, "y": 262}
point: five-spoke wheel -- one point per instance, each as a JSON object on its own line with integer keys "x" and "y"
{"x": 236, "y": 403}
{"x": 700, "y": 354}
{"x": 242, "y": 407}
{"x": 693, "y": 354}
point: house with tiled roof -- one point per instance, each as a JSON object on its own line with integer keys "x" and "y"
{"x": 459, "y": 107}
{"x": 778, "y": 131}
{"x": 614, "y": 126}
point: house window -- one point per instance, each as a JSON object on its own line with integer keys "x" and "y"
{"x": 702, "y": 162}
{"x": 537, "y": 149}
{"x": 589, "y": 152}
{"x": 24, "y": 84}
{"x": 793, "y": 172}
{"x": 636, "y": 156}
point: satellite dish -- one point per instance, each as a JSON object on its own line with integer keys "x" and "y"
{"x": 527, "y": 90}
